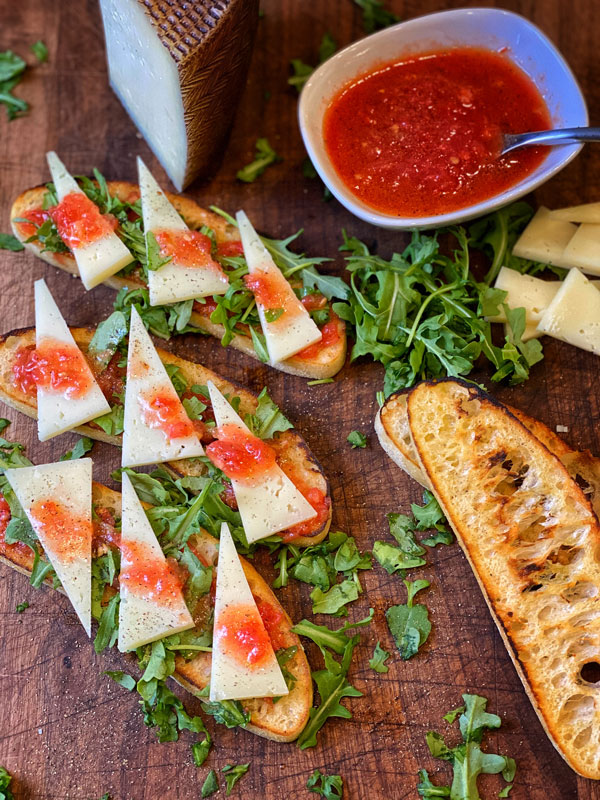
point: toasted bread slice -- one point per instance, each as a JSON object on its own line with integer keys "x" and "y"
{"x": 393, "y": 431}
{"x": 282, "y": 721}
{"x": 325, "y": 364}
{"x": 533, "y": 541}
{"x": 293, "y": 454}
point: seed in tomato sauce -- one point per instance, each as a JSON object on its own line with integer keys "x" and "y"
{"x": 421, "y": 136}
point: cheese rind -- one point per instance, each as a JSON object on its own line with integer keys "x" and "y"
{"x": 99, "y": 260}
{"x": 230, "y": 679}
{"x": 172, "y": 283}
{"x": 70, "y": 484}
{"x": 56, "y": 412}
{"x": 588, "y": 212}
{"x": 291, "y": 332}
{"x": 144, "y": 619}
{"x": 145, "y": 374}
{"x": 545, "y": 239}
{"x": 573, "y": 316}
{"x": 583, "y": 250}
{"x": 273, "y": 503}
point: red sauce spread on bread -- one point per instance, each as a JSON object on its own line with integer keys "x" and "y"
{"x": 63, "y": 533}
{"x": 243, "y": 636}
{"x": 229, "y": 249}
{"x": 160, "y": 409}
{"x": 36, "y": 217}
{"x": 186, "y": 248}
{"x": 79, "y": 222}
{"x": 321, "y": 504}
{"x": 104, "y": 530}
{"x": 53, "y": 366}
{"x": 6, "y": 549}
{"x": 272, "y": 618}
{"x": 147, "y": 576}
{"x": 330, "y": 335}
{"x": 239, "y": 454}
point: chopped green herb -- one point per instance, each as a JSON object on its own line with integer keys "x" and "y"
{"x": 12, "y": 67}
{"x": 21, "y": 607}
{"x": 200, "y": 751}
{"x": 228, "y": 712}
{"x": 122, "y": 678}
{"x": 210, "y": 785}
{"x": 83, "y": 446}
{"x": 334, "y": 600}
{"x": 5, "y": 780}
{"x": 409, "y": 624}
{"x": 506, "y": 791}
{"x": 39, "y": 50}
{"x": 375, "y": 15}
{"x": 302, "y": 71}
{"x": 284, "y": 655}
{"x": 263, "y": 158}
{"x": 233, "y": 773}
{"x": 10, "y": 242}
{"x": 319, "y": 382}
{"x": 328, "y": 786}
{"x": 154, "y": 259}
{"x": 268, "y": 418}
{"x": 380, "y": 656}
{"x": 357, "y": 439}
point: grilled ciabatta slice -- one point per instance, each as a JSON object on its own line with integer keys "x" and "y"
{"x": 393, "y": 431}
{"x": 533, "y": 541}
{"x": 293, "y": 455}
{"x": 282, "y": 721}
{"x": 324, "y": 364}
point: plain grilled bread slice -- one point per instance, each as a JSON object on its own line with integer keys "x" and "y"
{"x": 393, "y": 431}
{"x": 326, "y": 363}
{"x": 282, "y": 721}
{"x": 533, "y": 541}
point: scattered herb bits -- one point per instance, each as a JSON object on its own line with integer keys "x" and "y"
{"x": 357, "y": 439}
{"x": 328, "y": 786}
{"x": 380, "y": 656}
{"x": 263, "y": 158}
{"x": 409, "y": 623}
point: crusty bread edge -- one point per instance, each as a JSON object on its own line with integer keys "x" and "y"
{"x": 392, "y": 450}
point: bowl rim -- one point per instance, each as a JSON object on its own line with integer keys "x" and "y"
{"x": 327, "y": 171}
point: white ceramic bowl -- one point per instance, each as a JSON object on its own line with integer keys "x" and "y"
{"x": 489, "y": 28}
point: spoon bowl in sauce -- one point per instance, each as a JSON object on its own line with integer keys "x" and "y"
{"x": 514, "y": 141}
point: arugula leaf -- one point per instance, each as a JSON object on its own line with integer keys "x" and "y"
{"x": 83, "y": 446}
{"x": 210, "y": 785}
{"x": 113, "y": 422}
{"x": 154, "y": 259}
{"x": 5, "y": 780}
{"x": 328, "y": 786}
{"x": 39, "y": 50}
{"x": 334, "y": 600}
{"x": 357, "y": 439}
{"x": 283, "y": 655}
{"x": 393, "y": 558}
{"x": 268, "y": 418}
{"x": 108, "y": 629}
{"x": 302, "y": 71}
{"x": 451, "y": 716}
{"x": 330, "y": 286}
{"x": 200, "y": 751}
{"x": 10, "y": 242}
{"x": 122, "y": 678}
{"x": 228, "y": 712}
{"x": 21, "y": 607}
{"x": 375, "y": 16}
{"x": 263, "y": 158}
{"x": 426, "y": 788}
{"x": 506, "y": 791}
{"x": 260, "y": 346}
{"x": 409, "y": 624}
{"x": 108, "y": 336}
{"x": 12, "y": 67}
{"x": 380, "y": 656}
{"x": 233, "y": 772}
{"x": 41, "y": 571}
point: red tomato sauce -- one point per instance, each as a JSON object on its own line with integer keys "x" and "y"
{"x": 66, "y": 535}
{"x": 240, "y": 455}
{"x": 243, "y": 636}
{"x": 421, "y": 136}
{"x": 112, "y": 379}
{"x": 271, "y": 290}
{"x": 187, "y": 248}
{"x": 205, "y": 309}
{"x": 330, "y": 335}
{"x": 162, "y": 410}
{"x": 36, "y": 217}
{"x": 314, "y": 301}
{"x": 6, "y": 549}
{"x": 272, "y": 618}
{"x": 321, "y": 504}
{"x": 147, "y": 576}
{"x": 104, "y": 530}
{"x": 52, "y": 366}
{"x": 79, "y": 222}
{"x": 229, "y": 249}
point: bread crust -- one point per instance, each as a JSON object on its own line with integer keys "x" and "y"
{"x": 325, "y": 365}
{"x": 282, "y": 721}
{"x": 290, "y": 447}
{"x": 532, "y": 540}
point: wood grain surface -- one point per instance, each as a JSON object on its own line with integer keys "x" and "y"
{"x": 66, "y": 730}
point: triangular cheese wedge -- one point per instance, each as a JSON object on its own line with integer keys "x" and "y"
{"x": 583, "y": 250}
{"x": 57, "y": 499}
{"x": 100, "y": 259}
{"x": 174, "y": 282}
{"x": 545, "y": 238}
{"x": 243, "y": 661}
{"x": 588, "y": 212}
{"x": 156, "y": 427}
{"x": 152, "y": 604}
{"x": 75, "y": 400}
{"x": 573, "y": 316}
{"x": 292, "y": 330}
{"x": 271, "y": 504}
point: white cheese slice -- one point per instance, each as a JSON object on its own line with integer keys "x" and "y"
{"x": 273, "y": 503}
{"x": 588, "y": 212}
{"x": 58, "y": 413}
{"x": 231, "y": 678}
{"x": 100, "y": 259}
{"x": 69, "y": 484}
{"x": 173, "y": 283}
{"x": 290, "y": 333}
{"x": 524, "y": 291}
{"x": 142, "y": 617}
{"x": 146, "y": 375}
{"x": 583, "y": 250}
{"x": 574, "y": 314}
{"x": 545, "y": 239}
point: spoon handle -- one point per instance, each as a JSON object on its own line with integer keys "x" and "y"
{"x": 559, "y": 136}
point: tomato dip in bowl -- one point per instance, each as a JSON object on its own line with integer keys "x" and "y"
{"x": 404, "y": 126}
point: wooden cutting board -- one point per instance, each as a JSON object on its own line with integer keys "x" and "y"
{"x": 66, "y": 730}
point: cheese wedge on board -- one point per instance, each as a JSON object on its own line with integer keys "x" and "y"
{"x": 294, "y": 329}
{"x": 583, "y": 250}
{"x": 148, "y": 382}
{"x": 573, "y": 316}
{"x": 272, "y": 503}
{"x": 545, "y": 239}
{"x": 62, "y": 411}
{"x": 232, "y": 677}
{"x": 100, "y": 259}
{"x": 57, "y": 499}
{"x": 588, "y": 212}
{"x": 524, "y": 291}
{"x": 152, "y": 604}
{"x": 173, "y": 283}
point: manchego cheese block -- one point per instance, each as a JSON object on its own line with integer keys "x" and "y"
{"x": 102, "y": 258}
{"x": 545, "y": 239}
{"x": 62, "y": 409}
{"x": 243, "y": 661}
{"x": 272, "y": 503}
{"x": 294, "y": 329}
{"x": 173, "y": 282}
{"x": 156, "y": 427}
{"x": 57, "y": 499}
{"x": 588, "y": 212}
{"x": 573, "y": 316}
{"x": 152, "y": 604}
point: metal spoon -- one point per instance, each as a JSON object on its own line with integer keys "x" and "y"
{"x": 511, "y": 141}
